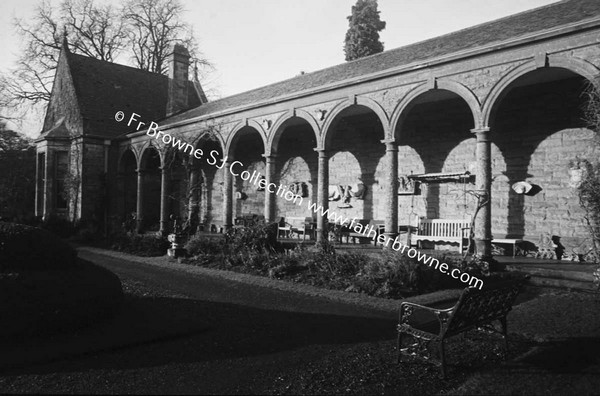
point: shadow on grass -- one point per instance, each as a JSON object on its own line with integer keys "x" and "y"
{"x": 224, "y": 348}
{"x": 569, "y": 356}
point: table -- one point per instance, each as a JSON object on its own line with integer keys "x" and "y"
{"x": 513, "y": 242}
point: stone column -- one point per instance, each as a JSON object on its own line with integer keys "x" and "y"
{"x": 40, "y": 184}
{"x": 164, "y": 200}
{"x": 48, "y": 199}
{"x": 270, "y": 197}
{"x": 140, "y": 199}
{"x": 227, "y": 196}
{"x": 391, "y": 194}
{"x": 322, "y": 193}
{"x": 193, "y": 205}
{"x": 483, "y": 177}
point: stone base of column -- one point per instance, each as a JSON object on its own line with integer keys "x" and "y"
{"x": 320, "y": 235}
{"x": 483, "y": 249}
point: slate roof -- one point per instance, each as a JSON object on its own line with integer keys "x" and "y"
{"x": 103, "y": 88}
{"x": 513, "y": 26}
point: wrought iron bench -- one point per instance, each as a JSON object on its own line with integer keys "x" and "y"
{"x": 474, "y": 308}
{"x": 442, "y": 230}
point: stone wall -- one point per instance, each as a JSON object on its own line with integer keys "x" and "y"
{"x": 539, "y": 129}
{"x": 436, "y": 138}
{"x": 248, "y": 151}
{"x": 297, "y": 162}
{"x": 356, "y": 150}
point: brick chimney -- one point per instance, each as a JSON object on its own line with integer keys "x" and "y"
{"x": 179, "y": 62}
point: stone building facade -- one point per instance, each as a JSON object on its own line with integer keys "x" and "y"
{"x": 468, "y": 113}
{"x": 76, "y": 152}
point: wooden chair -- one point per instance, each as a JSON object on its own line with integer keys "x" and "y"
{"x": 302, "y": 226}
{"x": 283, "y": 227}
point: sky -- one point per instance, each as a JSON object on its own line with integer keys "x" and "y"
{"x": 253, "y": 43}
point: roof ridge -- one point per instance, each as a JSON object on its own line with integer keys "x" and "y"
{"x": 416, "y": 43}
{"x": 112, "y": 64}
{"x": 479, "y": 25}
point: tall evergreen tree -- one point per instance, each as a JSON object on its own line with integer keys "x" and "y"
{"x": 362, "y": 37}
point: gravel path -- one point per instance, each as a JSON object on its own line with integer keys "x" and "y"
{"x": 265, "y": 340}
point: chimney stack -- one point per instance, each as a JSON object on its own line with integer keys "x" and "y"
{"x": 179, "y": 62}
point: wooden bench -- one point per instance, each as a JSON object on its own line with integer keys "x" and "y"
{"x": 442, "y": 230}
{"x": 248, "y": 220}
{"x": 474, "y": 308}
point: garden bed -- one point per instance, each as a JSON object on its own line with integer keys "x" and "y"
{"x": 388, "y": 274}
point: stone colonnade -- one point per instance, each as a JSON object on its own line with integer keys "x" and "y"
{"x": 482, "y": 226}
{"x": 483, "y": 222}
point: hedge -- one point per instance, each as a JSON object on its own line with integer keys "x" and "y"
{"x": 29, "y": 248}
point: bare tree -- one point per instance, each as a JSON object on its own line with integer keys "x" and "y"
{"x": 147, "y": 28}
{"x": 98, "y": 31}
{"x": 154, "y": 27}
{"x": 95, "y": 31}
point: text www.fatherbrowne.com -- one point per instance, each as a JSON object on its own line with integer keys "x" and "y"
{"x": 257, "y": 179}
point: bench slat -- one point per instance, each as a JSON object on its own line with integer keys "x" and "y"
{"x": 442, "y": 230}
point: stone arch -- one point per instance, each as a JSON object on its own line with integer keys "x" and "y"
{"x": 404, "y": 106}
{"x": 575, "y": 65}
{"x": 228, "y": 146}
{"x": 123, "y": 151}
{"x": 126, "y": 185}
{"x": 151, "y": 144}
{"x": 278, "y": 128}
{"x": 371, "y": 104}
{"x": 209, "y": 194}
{"x": 207, "y": 135}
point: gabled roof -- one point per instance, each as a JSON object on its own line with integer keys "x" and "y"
{"x": 103, "y": 88}
{"x": 524, "y": 23}
{"x": 59, "y": 131}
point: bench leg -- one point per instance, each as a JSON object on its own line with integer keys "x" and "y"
{"x": 399, "y": 346}
{"x": 504, "y": 335}
{"x": 442, "y": 359}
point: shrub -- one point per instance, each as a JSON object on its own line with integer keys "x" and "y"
{"x": 25, "y": 247}
{"x": 390, "y": 275}
{"x": 589, "y": 199}
{"x": 258, "y": 237}
{"x": 140, "y": 244}
{"x": 201, "y": 245}
{"x": 87, "y": 231}
{"x": 59, "y": 226}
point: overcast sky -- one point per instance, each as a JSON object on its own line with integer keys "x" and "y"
{"x": 257, "y": 42}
